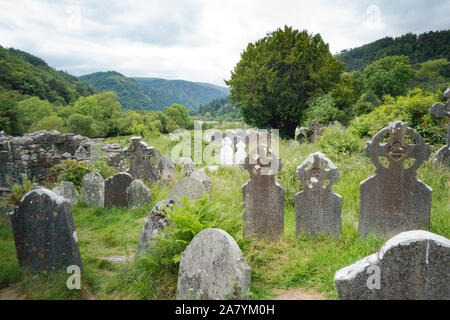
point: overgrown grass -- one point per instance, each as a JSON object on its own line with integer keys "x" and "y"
{"x": 290, "y": 262}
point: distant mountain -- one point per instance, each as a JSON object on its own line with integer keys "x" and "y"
{"x": 421, "y": 48}
{"x": 154, "y": 93}
{"x": 30, "y": 75}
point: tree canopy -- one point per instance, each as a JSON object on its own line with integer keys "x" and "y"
{"x": 278, "y": 74}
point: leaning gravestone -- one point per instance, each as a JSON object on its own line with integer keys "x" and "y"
{"x": 116, "y": 190}
{"x": 413, "y": 265}
{"x": 201, "y": 176}
{"x": 317, "y": 208}
{"x": 68, "y": 191}
{"x": 93, "y": 189}
{"x": 154, "y": 224}
{"x": 439, "y": 111}
{"x": 187, "y": 165}
{"x": 143, "y": 160}
{"x": 394, "y": 200}
{"x": 213, "y": 268}
{"x": 263, "y": 197}
{"x": 138, "y": 194}
{"x": 44, "y": 232}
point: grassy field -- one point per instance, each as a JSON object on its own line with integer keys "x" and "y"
{"x": 288, "y": 263}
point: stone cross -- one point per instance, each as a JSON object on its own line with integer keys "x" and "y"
{"x": 240, "y": 155}
{"x": 143, "y": 160}
{"x": 213, "y": 268}
{"x": 262, "y": 195}
{"x": 44, "y": 232}
{"x": 439, "y": 111}
{"x": 394, "y": 200}
{"x": 317, "y": 208}
{"x": 226, "y": 152}
{"x": 413, "y": 265}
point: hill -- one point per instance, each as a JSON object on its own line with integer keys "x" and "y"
{"x": 154, "y": 93}
{"x": 419, "y": 48}
{"x": 221, "y": 108}
{"x": 30, "y": 75}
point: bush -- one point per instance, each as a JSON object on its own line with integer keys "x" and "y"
{"x": 339, "y": 141}
{"x": 322, "y": 109}
{"x": 71, "y": 170}
{"x": 413, "y": 109}
{"x": 18, "y": 191}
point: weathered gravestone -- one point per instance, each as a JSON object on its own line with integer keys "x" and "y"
{"x": 154, "y": 224}
{"x": 187, "y": 187}
{"x": 394, "y": 200}
{"x": 317, "y": 208}
{"x": 143, "y": 160}
{"x": 263, "y": 197}
{"x": 116, "y": 190}
{"x": 240, "y": 155}
{"x": 187, "y": 165}
{"x": 201, "y": 176}
{"x": 213, "y": 268}
{"x": 68, "y": 191}
{"x": 226, "y": 152}
{"x": 137, "y": 194}
{"x": 93, "y": 189}
{"x": 439, "y": 110}
{"x": 166, "y": 168}
{"x": 44, "y": 232}
{"x": 413, "y": 265}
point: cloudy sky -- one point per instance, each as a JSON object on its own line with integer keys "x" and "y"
{"x": 196, "y": 40}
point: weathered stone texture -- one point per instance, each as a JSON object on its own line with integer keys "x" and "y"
{"x": 44, "y": 232}
{"x": 93, "y": 189}
{"x": 439, "y": 111}
{"x": 116, "y": 190}
{"x": 394, "y": 200}
{"x": 413, "y": 265}
{"x": 317, "y": 208}
{"x": 143, "y": 160}
{"x": 67, "y": 190}
{"x": 138, "y": 194}
{"x": 213, "y": 268}
{"x": 166, "y": 168}
{"x": 263, "y": 197}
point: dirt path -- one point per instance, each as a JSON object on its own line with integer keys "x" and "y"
{"x": 298, "y": 294}
{"x": 10, "y": 293}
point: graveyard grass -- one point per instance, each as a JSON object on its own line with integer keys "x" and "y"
{"x": 289, "y": 263}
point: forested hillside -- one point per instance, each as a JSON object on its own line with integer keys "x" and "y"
{"x": 29, "y": 75}
{"x": 419, "y": 48}
{"x": 219, "y": 109}
{"x": 154, "y": 93}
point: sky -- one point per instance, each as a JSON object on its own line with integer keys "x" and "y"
{"x": 196, "y": 40}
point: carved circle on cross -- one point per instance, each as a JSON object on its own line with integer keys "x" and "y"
{"x": 317, "y": 168}
{"x": 397, "y": 149}
{"x": 262, "y": 161}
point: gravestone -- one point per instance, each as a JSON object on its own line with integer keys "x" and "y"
{"x": 439, "y": 111}
{"x": 44, "y": 232}
{"x": 201, "y": 176}
{"x": 413, "y": 265}
{"x": 187, "y": 165}
{"x": 166, "y": 168}
{"x": 394, "y": 200}
{"x": 143, "y": 160}
{"x": 154, "y": 224}
{"x": 68, "y": 191}
{"x": 317, "y": 208}
{"x": 187, "y": 187}
{"x": 93, "y": 189}
{"x": 240, "y": 155}
{"x": 116, "y": 190}
{"x": 262, "y": 195}
{"x": 137, "y": 194}
{"x": 226, "y": 152}
{"x": 213, "y": 268}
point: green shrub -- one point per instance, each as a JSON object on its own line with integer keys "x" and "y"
{"x": 337, "y": 140}
{"x": 19, "y": 190}
{"x": 71, "y": 170}
{"x": 101, "y": 166}
{"x": 413, "y": 109}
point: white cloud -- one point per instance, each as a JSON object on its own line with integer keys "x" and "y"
{"x": 198, "y": 40}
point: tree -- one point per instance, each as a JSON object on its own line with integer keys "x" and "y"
{"x": 52, "y": 122}
{"x": 322, "y": 109}
{"x": 278, "y": 74}
{"x": 10, "y": 117}
{"x": 431, "y": 74}
{"x": 389, "y": 75}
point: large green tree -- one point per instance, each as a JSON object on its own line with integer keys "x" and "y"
{"x": 389, "y": 75}
{"x": 278, "y": 74}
